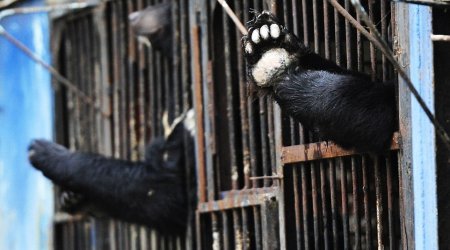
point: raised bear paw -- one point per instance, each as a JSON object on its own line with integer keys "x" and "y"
{"x": 268, "y": 48}
{"x": 43, "y": 153}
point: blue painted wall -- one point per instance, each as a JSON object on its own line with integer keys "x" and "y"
{"x": 26, "y": 198}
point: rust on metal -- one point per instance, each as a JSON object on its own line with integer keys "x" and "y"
{"x": 321, "y": 150}
{"x": 238, "y": 199}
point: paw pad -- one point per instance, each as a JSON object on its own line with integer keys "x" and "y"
{"x": 267, "y": 52}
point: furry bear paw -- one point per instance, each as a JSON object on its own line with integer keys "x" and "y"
{"x": 268, "y": 48}
{"x": 43, "y": 153}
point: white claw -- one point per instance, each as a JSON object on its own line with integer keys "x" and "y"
{"x": 264, "y": 32}
{"x": 274, "y": 30}
{"x": 255, "y": 36}
{"x": 248, "y": 48}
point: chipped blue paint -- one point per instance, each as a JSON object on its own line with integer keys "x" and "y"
{"x": 26, "y": 198}
{"x": 423, "y": 133}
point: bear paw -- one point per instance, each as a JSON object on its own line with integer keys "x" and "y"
{"x": 269, "y": 49}
{"x": 43, "y": 153}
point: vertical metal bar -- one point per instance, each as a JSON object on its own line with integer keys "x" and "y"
{"x": 326, "y": 27}
{"x": 175, "y": 61}
{"x": 345, "y": 226}
{"x": 237, "y": 230}
{"x": 270, "y": 224}
{"x": 337, "y": 37}
{"x": 245, "y": 230}
{"x": 379, "y": 203}
{"x": 263, "y": 135}
{"x": 298, "y": 215}
{"x": 356, "y": 221}
{"x": 367, "y": 218}
{"x": 334, "y": 207}
{"x": 305, "y": 22}
{"x": 373, "y": 59}
{"x": 348, "y": 41}
{"x": 226, "y": 231}
{"x": 390, "y": 203}
{"x": 305, "y": 203}
{"x": 384, "y": 20}
{"x": 257, "y": 224}
{"x": 325, "y": 206}
{"x": 271, "y": 137}
{"x": 316, "y": 27}
{"x": 131, "y": 77}
{"x": 243, "y": 97}
{"x": 230, "y": 101}
{"x": 359, "y": 47}
{"x": 315, "y": 205}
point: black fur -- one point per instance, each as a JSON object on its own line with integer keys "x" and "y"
{"x": 154, "y": 23}
{"x": 343, "y": 106}
{"x": 150, "y": 192}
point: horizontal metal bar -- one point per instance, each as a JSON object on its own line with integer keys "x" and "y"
{"x": 239, "y": 199}
{"x": 321, "y": 150}
{"x": 440, "y": 38}
{"x": 61, "y": 217}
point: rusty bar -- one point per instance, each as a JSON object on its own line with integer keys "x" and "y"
{"x": 321, "y": 150}
{"x": 159, "y": 90}
{"x": 245, "y": 230}
{"x": 316, "y": 27}
{"x": 271, "y": 137}
{"x": 230, "y": 99}
{"x": 344, "y": 203}
{"x": 390, "y": 201}
{"x": 142, "y": 87}
{"x": 225, "y": 231}
{"x": 384, "y": 19}
{"x": 257, "y": 224}
{"x": 243, "y": 96}
{"x": 337, "y": 37}
{"x": 86, "y": 82}
{"x": 366, "y": 192}
{"x": 200, "y": 146}
{"x": 124, "y": 86}
{"x": 263, "y": 135}
{"x": 236, "y": 199}
{"x": 373, "y": 59}
{"x": 298, "y": 212}
{"x": 185, "y": 55}
{"x": 348, "y": 41}
{"x": 205, "y": 83}
{"x": 255, "y": 161}
{"x": 115, "y": 75}
{"x": 359, "y": 48}
{"x": 325, "y": 206}
{"x": 357, "y": 221}
{"x": 305, "y": 22}
{"x": 326, "y": 27}
{"x": 315, "y": 205}
{"x": 379, "y": 202}
{"x": 305, "y": 209}
{"x": 130, "y": 44}
{"x": 334, "y": 206}
{"x": 175, "y": 61}
{"x": 78, "y": 76}
{"x": 237, "y": 228}
{"x": 295, "y": 18}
